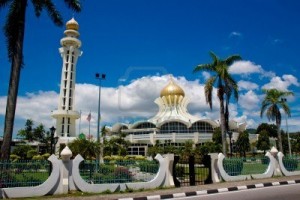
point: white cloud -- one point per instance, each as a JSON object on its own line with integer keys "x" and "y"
{"x": 132, "y": 102}
{"x": 206, "y": 75}
{"x": 249, "y": 101}
{"x": 247, "y": 85}
{"x": 282, "y": 83}
{"x": 246, "y": 68}
{"x": 235, "y": 34}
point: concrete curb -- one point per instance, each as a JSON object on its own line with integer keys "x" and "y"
{"x": 213, "y": 191}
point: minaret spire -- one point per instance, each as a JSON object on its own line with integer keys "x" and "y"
{"x": 65, "y": 114}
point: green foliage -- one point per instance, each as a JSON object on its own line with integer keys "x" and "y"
{"x": 88, "y": 149}
{"x": 233, "y": 166}
{"x": 14, "y": 157}
{"x": 224, "y": 83}
{"x": 270, "y": 128}
{"x": 149, "y": 166}
{"x": 37, "y": 157}
{"x": 243, "y": 143}
{"x": 217, "y": 136}
{"x": 295, "y": 142}
{"x": 263, "y": 142}
{"x": 271, "y": 105}
{"x": 117, "y": 145}
{"x": 209, "y": 147}
{"x": 21, "y": 151}
{"x": 46, "y": 156}
{"x": 31, "y": 153}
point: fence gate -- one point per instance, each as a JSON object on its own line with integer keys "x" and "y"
{"x": 190, "y": 171}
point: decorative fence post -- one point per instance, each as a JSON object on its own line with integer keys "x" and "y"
{"x": 66, "y": 154}
{"x": 274, "y": 152}
{"x": 215, "y": 173}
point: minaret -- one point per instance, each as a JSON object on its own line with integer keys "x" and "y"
{"x": 66, "y": 115}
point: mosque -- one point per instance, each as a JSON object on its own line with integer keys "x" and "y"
{"x": 172, "y": 123}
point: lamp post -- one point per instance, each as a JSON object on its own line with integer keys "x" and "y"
{"x": 287, "y": 129}
{"x": 54, "y": 140}
{"x": 230, "y": 142}
{"x": 100, "y": 77}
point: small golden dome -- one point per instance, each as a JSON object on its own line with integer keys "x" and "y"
{"x": 72, "y": 25}
{"x": 172, "y": 89}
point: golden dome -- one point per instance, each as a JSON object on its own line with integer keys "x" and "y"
{"x": 172, "y": 89}
{"x": 72, "y": 24}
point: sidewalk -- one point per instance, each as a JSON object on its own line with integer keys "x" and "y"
{"x": 191, "y": 189}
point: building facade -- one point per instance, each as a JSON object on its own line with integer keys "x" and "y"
{"x": 172, "y": 123}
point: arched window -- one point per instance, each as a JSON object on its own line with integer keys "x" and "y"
{"x": 201, "y": 127}
{"x": 173, "y": 127}
{"x": 145, "y": 125}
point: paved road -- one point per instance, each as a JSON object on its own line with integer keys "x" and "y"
{"x": 286, "y": 192}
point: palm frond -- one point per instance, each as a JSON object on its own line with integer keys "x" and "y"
{"x": 38, "y": 7}
{"x": 4, "y": 3}
{"x": 265, "y": 104}
{"x": 203, "y": 67}
{"x": 214, "y": 57}
{"x": 208, "y": 89}
{"x": 13, "y": 28}
{"x": 74, "y": 5}
{"x": 53, "y": 12}
{"x": 231, "y": 59}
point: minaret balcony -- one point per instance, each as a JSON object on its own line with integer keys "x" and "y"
{"x": 66, "y": 113}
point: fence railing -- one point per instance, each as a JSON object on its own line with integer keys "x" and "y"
{"x": 291, "y": 163}
{"x": 245, "y": 166}
{"x": 118, "y": 171}
{"x": 23, "y": 173}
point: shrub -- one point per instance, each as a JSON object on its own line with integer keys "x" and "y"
{"x": 149, "y": 166}
{"x": 14, "y": 157}
{"x": 46, "y": 156}
{"x": 290, "y": 164}
{"x": 233, "y": 167}
{"x": 38, "y": 157}
{"x": 31, "y": 153}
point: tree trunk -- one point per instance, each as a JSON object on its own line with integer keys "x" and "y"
{"x": 223, "y": 125}
{"x": 279, "y": 136}
{"x": 16, "y": 65}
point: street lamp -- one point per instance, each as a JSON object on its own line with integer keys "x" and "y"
{"x": 100, "y": 77}
{"x": 230, "y": 142}
{"x": 287, "y": 129}
{"x": 54, "y": 140}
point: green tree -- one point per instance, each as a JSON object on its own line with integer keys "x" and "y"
{"x": 295, "y": 142}
{"x": 225, "y": 85}
{"x": 243, "y": 143}
{"x": 88, "y": 149}
{"x": 217, "y": 136}
{"x": 27, "y": 132}
{"x": 14, "y": 29}
{"x": 270, "y": 128}
{"x": 22, "y": 151}
{"x": 263, "y": 142}
{"x": 271, "y": 104}
{"x": 117, "y": 145}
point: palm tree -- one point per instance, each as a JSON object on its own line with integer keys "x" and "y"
{"x": 271, "y": 104}
{"x": 226, "y": 86}
{"x": 14, "y": 29}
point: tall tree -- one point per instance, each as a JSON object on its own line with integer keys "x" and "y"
{"x": 225, "y": 85}
{"x": 263, "y": 142}
{"x": 271, "y": 104}
{"x": 243, "y": 143}
{"x": 14, "y": 30}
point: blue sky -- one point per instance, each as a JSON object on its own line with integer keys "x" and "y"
{"x": 138, "y": 43}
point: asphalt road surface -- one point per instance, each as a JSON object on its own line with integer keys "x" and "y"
{"x": 285, "y": 192}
